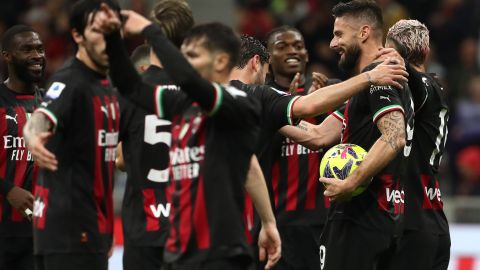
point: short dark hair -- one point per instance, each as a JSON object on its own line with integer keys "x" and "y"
{"x": 281, "y": 29}
{"x": 218, "y": 37}
{"x": 249, "y": 47}
{"x": 140, "y": 53}
{"x": 81, "y": 10}
{"x": 8, "y": 36}
{"x": 364, "y": 9}
{"x": 174, "y": 17}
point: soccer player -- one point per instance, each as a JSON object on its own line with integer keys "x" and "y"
{"x": 277, "y": 106}
{"x": 360, "y": 231}
{"x": 73, "y": 137}
{"x": 24, "y": 55}
{"x": 146, "y": 146}
{"x": 206, "y": 187}
{"x": 425, "y": 242}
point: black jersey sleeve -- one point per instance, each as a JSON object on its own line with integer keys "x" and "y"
{"x": 58, "y": 101}
{"x": 382, "y": 100}
{"x": 278, "y": 104}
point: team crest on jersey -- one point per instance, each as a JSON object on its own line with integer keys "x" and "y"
{"x": 55, "y": 90}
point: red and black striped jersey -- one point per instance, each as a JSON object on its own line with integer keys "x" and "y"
{"x": 146, "y": 142}
{"x": 423, "y": 202}
{"x": 73, "y": 208}
{"x": 16, "y": 163}
{"x": 292, "y": 177}
{"x": 382, "y": 203}
{"x": 209, "y": 159}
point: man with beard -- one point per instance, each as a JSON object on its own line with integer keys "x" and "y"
{"x": 276, "y": 108}
{"x": 361, "y": 231}
{"x": 425, "y": 242}
{"x": 73, "y": 137}
{"x": 24, "y": 54}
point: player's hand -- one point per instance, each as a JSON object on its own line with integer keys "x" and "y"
{"x": 42, "y": 157}
{"x": 21, "y": 200}
{"x": 385, "y": 53}
{"x": 319, "y": 80}
{"x": 106, "y": 20}
{"x": 389, "y": 72}
{"x": 269, "y": 244}
{"x": 135, "y": 23}
{"x": 295, "y": 83}
{"x": 337, "y": 190}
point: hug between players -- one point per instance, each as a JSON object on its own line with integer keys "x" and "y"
{"x": 224, "y": 141}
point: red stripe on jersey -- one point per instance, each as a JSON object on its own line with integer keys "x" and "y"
{"x": 386, "y": 182}
{"x": 275, "y": 179}
{"x": 111, "y": 114}
{"x": 21, "y": 160}
{"x": 345, "y": 121}
{"x": 152, "y": 223}
{"x": 312, "y": 181}
{"x": 171, "y": 242}
{"x": 185, "y": 199}
{"x": 292, "y": 180}
{"x": 25, "y": 97}
{"x": 3, "y": 151}
{"x": 98, "y": 188}
{"x": 200, "y": 218}
{"x": 248, "y": 217}
{"x": 202, "y": 231}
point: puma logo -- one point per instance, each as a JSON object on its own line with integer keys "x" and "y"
{"x": 386, "y": 98}
{"x": 12, "y": 118}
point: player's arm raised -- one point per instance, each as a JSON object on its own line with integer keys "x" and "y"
{"x": 329, "y": 97}
{"x": 269, "y": 243}
{"x": 391, "y": 142}
{"x": 36, "y": 132}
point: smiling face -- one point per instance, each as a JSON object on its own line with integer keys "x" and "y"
{"x": 27, "y": 58}
{"x": 346, "y": 43}
{"x": 288, "y": 53}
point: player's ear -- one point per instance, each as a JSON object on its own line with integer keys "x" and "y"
{"x": 254, "y": 63}
{"x": 77, "y": 37}
{"x": 365, "y": 32}
{"x": 7, "y": 56}
{"x": 221, "y": 61}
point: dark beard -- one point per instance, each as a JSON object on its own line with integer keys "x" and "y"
{"x": 351, "y": 56}
{"x": 24, "y": 74}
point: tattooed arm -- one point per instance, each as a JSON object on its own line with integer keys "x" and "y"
{"x": 383, "y": 151}
{"x": 36, "y": 132}
{"x": 313, "y": 136}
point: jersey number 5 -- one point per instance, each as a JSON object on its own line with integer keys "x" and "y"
{"x": 151, "y": 136}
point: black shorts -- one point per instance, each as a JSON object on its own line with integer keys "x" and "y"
{"x": 299, "y": 248}
{"x": 233, "y": 263}
{"x": 72, "y": 261}
{"x": 346, "y": 246}
{"x": 422, "y": 250}
{"x": 16, "y": 253}
{"x": 142, "y": 258}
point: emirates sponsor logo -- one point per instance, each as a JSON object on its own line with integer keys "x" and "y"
{"x": 185, "y": 162}
{"x": 290, "y": 148}
{"x": 19, "y": 151}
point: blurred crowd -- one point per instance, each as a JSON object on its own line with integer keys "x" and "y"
{"x": 455, "y": 54}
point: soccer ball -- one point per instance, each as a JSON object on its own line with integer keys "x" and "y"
{"x": 341, "y": 160}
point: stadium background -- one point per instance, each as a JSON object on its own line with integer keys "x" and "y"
{"x": 454, "y": 35}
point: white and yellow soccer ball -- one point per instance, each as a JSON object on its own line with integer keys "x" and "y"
{"x": 340, "y": 161}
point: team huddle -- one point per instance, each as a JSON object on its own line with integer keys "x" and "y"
{"x": 221, "y": 138}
